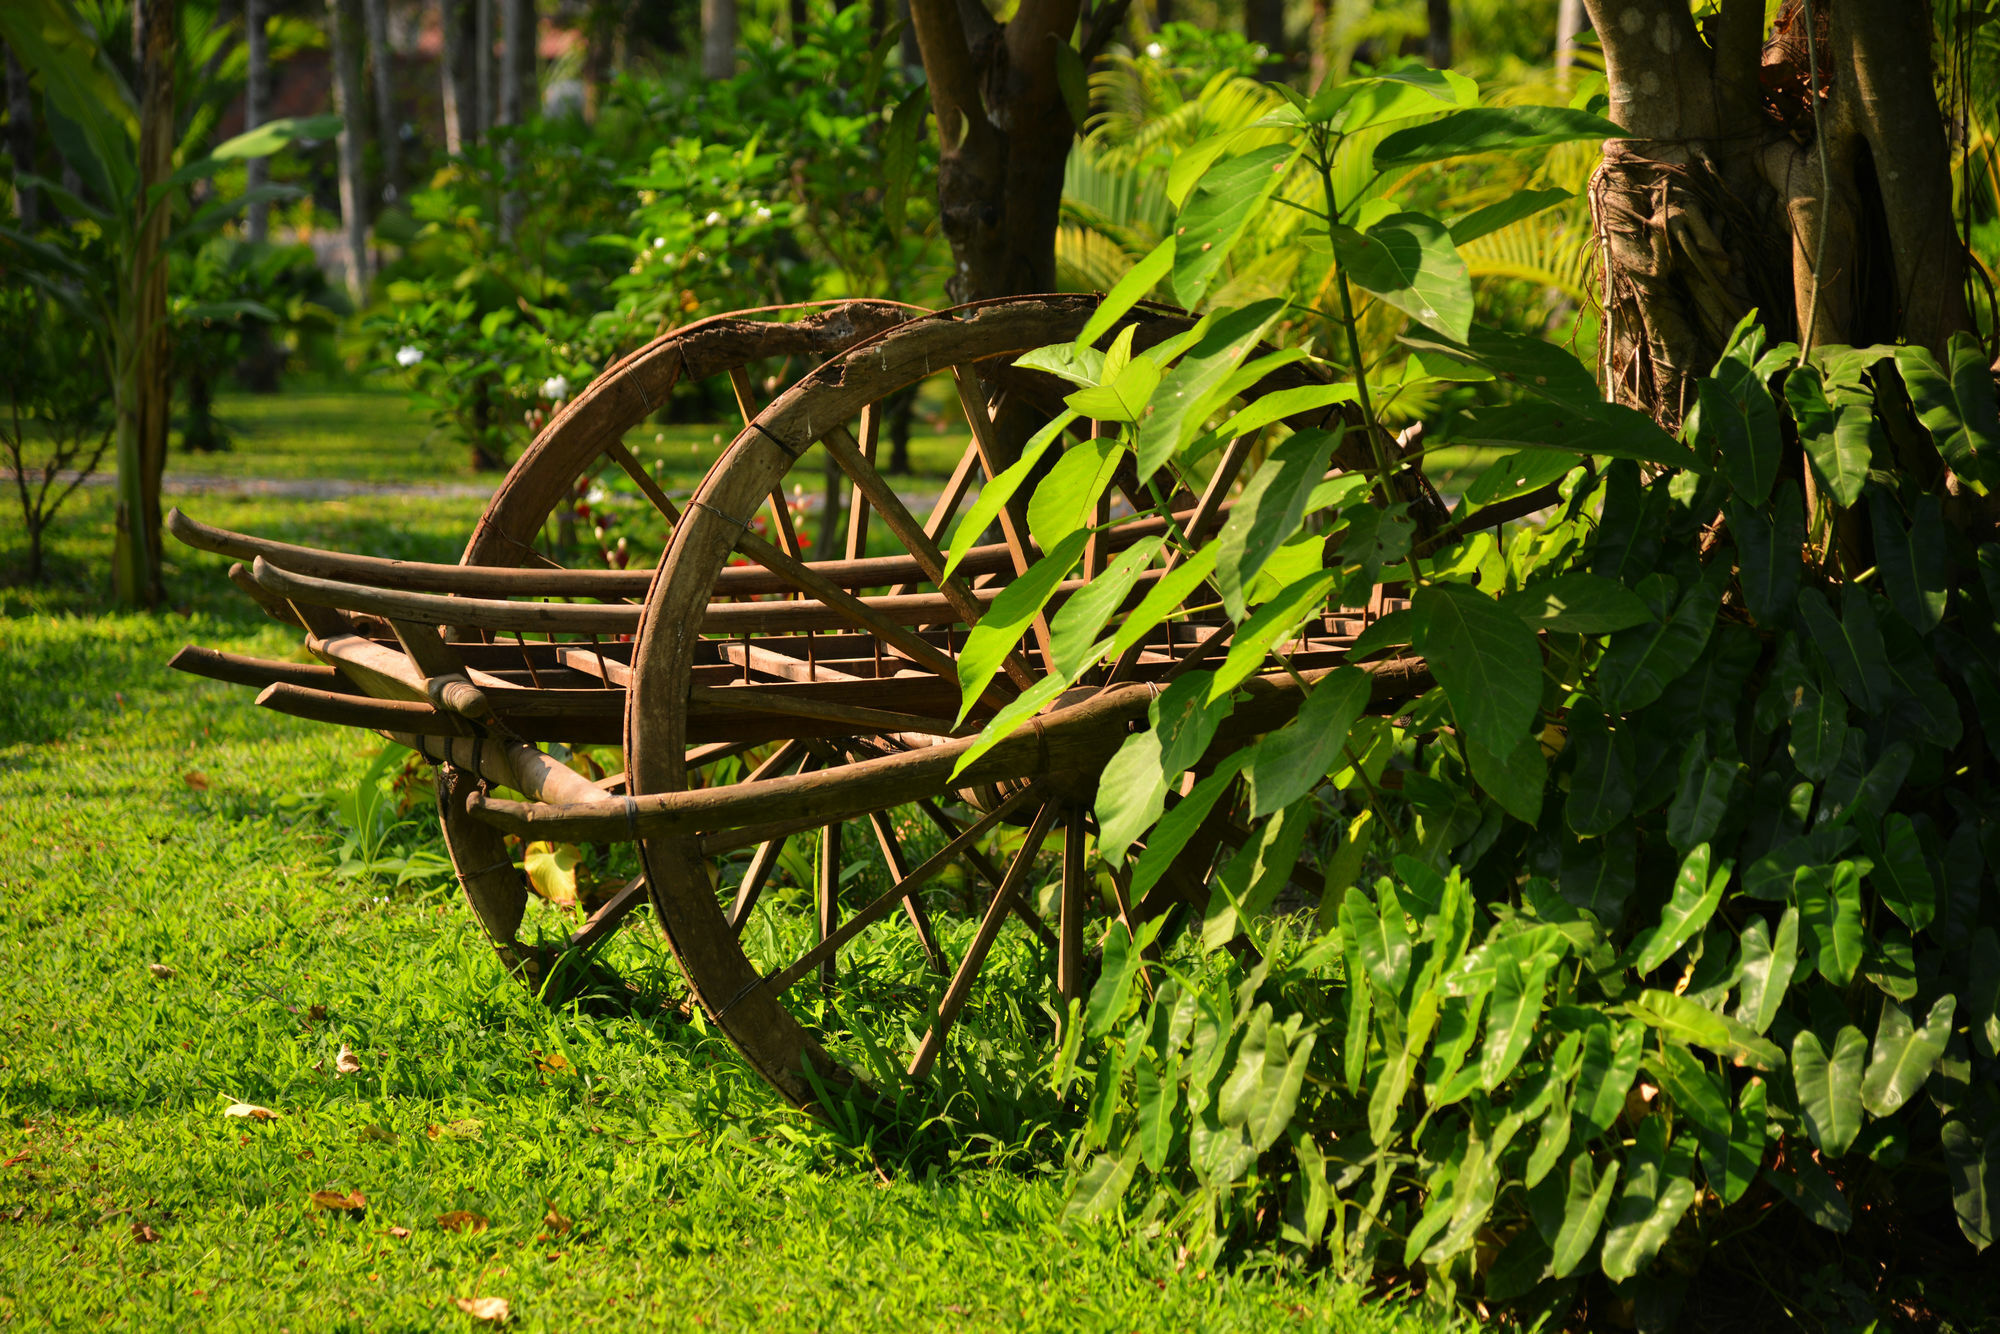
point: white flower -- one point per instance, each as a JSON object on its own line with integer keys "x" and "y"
{"x": 408, "y": 355}
{"x": 1154, "y": 50}
{"x": 713, "y": 219}
{"x": 555, "y": 388}
{"x": 762, "y": 214}
{"x": 659, "y": 243}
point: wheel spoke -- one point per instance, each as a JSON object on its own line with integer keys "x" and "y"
{"x": 857, "y": 505}
{"x": 947, "y": 504}
{"x": 828, "y": 895}
{"x": 981, "y": 424}
{"x": 610, "y": 914}
{"x": 960, "y": 989}
{"x": 781, "y": 516}
{"x": 649, "y": 488}
{"x": 992, "y": 875}
{"x": 913, "y": 907}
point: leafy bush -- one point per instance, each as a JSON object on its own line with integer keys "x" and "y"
{"x": 55, "y": 423}
{"x": 1670, "y": 900}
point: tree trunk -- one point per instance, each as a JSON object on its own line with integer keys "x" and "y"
{"x": 482, "y": 60}
{"x": 256, "y": 90}
{"x": 517, "y": 38}
{"x": 799, "y": 20}
{"x": 344, "y": 31}
{"x": 459, "y": 83}
{"x": 1569, "y": 22}
{"x": 21, "y": 144}
{"x": 1741, "y": 190}
{"x": 1437, "y": 41}
{"x": 718, "y": 39}
{"x": 142, "y": 388}
{"x": 525, "y": 57}
{"x": 382, "y": 66}
{"x": 1263, "y": 23}
{"x": 1005, "y": 134}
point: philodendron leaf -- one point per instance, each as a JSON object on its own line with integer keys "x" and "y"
{"x": 1768, "y": 965}
{"x": 1746, "y": 1142}
{"x": 1290, "y": 762}
{"x": 1829, "y": 900}
{"x": 1911, "y": 557}
{"x": 1739, "y": 422}
{"x": 1972, "y": 1160}
{"x": 1408, "y": 260}
{"x": 1839, "y": 438}
{"x": 1903, "y": 876}
{"x": 1610, "y": 1063}
{"x": 1102, "y": 1185}
{"x": 1518, "y": 474}
{"x": 1489, "y": 130}
{"x": 1608, "y": 429}
{"x": 1487, "y": 660}
{"x": 1958, "y": 410}
{"x": 1767, "y": 551}
{"x": 1695, "y": 897}
{"x": 1703, "y": 1101}
{"x": 1641, "y": 1225}
{"x": 1578, "y": 603}
{"x": 1269, "y": 512}
{"x": 1904, "y": 1056}
{"x": 1222, "y": 205}
{"x": 1643, "y": 661}
{"x": 1829, "y": 1087}
{"x": 1688, "y": 1021}
{"x": 1584, "y": 1206}
{"x": 1600, "y": 785}
{"x": 1510, "y": 1018}
{"x": 1262, "y": 1092}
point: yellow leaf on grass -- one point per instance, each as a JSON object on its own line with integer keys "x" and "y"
{"x": 551, "y": 869}
{"x": 196, "y": 780}
{"x": 469, "y": 1128}
{"x": 334, "y": 1202}
{"x": 251, "y": 1110}
{"x": 462, "y": 1220}
{"x": 555, "y": 1063}
{"x": 484, "y": 1308}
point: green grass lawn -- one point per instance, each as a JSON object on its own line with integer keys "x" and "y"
{"x": 177, "y": 941}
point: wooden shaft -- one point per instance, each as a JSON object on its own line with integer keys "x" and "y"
{"x": 348, "y": 710}
{"x": 857, "y": 503}
{"x": 800, "y": 706}
{"x": 239, "y": 669}
{"x": 762, "y": 863}
{"x": 828, "y": 895}
{"x": 913, "y": 906}
{"x": 960, "y": 989}
{"x": 644, "y": 481}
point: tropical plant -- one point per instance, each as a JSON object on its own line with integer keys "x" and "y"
{"x": 224, "y": 295}
{"x": 57, "y": 425}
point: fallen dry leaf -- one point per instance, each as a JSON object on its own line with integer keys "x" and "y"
{"x": 374, "y": 1134}
{"x": 251, "y": 1110}
{"x": 346, "y": 1062}
{"x": 196, "y": 780}
{"x": 143, "y": 1233}
{"x": 19, "y": 1158}
{"x": 557, "y": 1223}
{"x": 484, "y": 1308}
{"x": 555, "y": 1063}
{"x": 461, "y": 1220}
{"x": 160, "y": 971}
{"x": 399, "y": 1232}
{"x": 316, "y": 1013}
{"x": 334, "y": 1202}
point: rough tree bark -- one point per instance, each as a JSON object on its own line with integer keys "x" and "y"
{"x": 459, "y": 28}
{"x": 1005, "y": 133}
{"x": 382, "y": 68}
{"x": 144, "y": 396}
{"x": 718, "y": 38}
{"x": 343, "y": 24}
{"x": 1741, "y": 188}
{"x": 256, "y": 89}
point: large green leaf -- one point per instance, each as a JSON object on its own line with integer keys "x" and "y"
{"x": 1768, "y": 965}
{"x": 1972, "y": 1160}
{"x": 1695, "y": 897}
{"x": 1381, "y": 939}
{"x": 1903, "y": 875}
{"x": 93, "y": 116}
{"x": 1222, "y": 205}
{"x": 1911, "y": 557}
{"x": 997, "y": 492}
{"x": 1164, "y": 599}
{"x": 1584, "y": 1207}
{"x": 1134, "y": 287}
{"x": 1102, "y": 1185}
{"x": 1517, "y": 474}
{"x": 1487, "y": 660}
{"x": 1904, "y": 1056}
{"x": 1273, "y": 623}
{"x": 1172, "y": 833}
{"x": 1852, "y": 643}
{"x": 1243, "y": 891}
{"x": 1578, "y": 603}
{"x": 1269, "y": 512}
{"x": 1074, "y": 629}
{"x": 1839, "y": 437}
{"x": 1608, "y": 429}
{"x": 1747, "y": 1121}
{"x": 1704, "y": 1101}
{"x": 1829, "y": 899}
{"x": 1600, "y": 785}
{"x": 1191, "y": 390}
{"x": 1701, "y": 797}
{"x": 1409, "y": 261}
{"x": 1768, "y": 550}
{"x": 989, "y": 642}
{"x": 1641, "y": 1224}
{"x": 1959, "y": 410}
{"x": 1263, "y": 1089}
{"x": 1516, "y": 206}
{"x": 1643, "y": 661}
{"x": 1132, "y": 790}
{"x": 1063, "y": 501}
{"x": 1739, "y": 424}
{"x": 1489, "y": 130}
{"x": 1829, "y": 1087}
{"x": 1290, "y": 762}
{"x": 1348, "y": 106}
{"x": 1610, "y": 1063}
{"x": 1511, "y": 1017}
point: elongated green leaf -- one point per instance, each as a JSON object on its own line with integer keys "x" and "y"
{"x": 1262, "y": 1092}
{"x": 1839, "y": 439}
{"x": 1214, "y": 217}
{"x": 1269, "y": 512}
{"x": 1746, "y": 1143}
{"x": 1290, "y": 762}
{"x": 1600, "y": 785}
{"x": 1016, "y": 712}
{"x": 1273, "y": 623}
{"x": 1695, "y": 898}
{"x": 1487, "y": 660}
{"x": 1521, "y": 204}
{"x": 1812, "y": 1192}
{"x": 1904, "y": 1056}
{"x": 1610, "y": 1063}
{"x": 1491, "y": 129}
{"x": 1245, "y": 888}
{"x": 1001, "y": 489}
{"x": 1102, "y": 1185}
{"x": 1584, "y": 1207}
{"x": 1768, "y": 965}
{"x": 1818, "y": 734}
{"x": 1972, "y": 1161}
{"x": 1608, "y": 429}
{"x": 1074, "y": 629}
{"x": 1171, "y": 835}
{"x": 1958, "y": 410}
{"x": 1354, "y": 104}
{"x": 1064, "y": 500}
{"x": 1739, "y": 425}
{"x": 1134, "y": 287}
{"x": 1852, "y": 643}
{"x": 1829, "y": 1087}
{"x": 1518, "y": 474}
{"x": 1164, "y": 600}
{"x": 1911, "y": 558}
{"x": 1578, "y": 603}
{"x": 1080, "y": 365}
{"x": 1409, "y": 261}
{"x": 1767, "y": 551}
{"x": 1132, "y": 789}
{"x": 1902, "y": 875}
{"x": 1193, "y": 388}
{"x": 1511, "y": 1016}
{"x": 1642, "y": 662}
{"x": 1403, "y": 1045}
{"x": 989, "y": 642}
{"x": 1641, "y": 1224}
{"x": 1829, "y": 899}
{"x": 1701, "y": 798}
{"x": 92, "y": 115}
{"x": 1282, "y": 404}
{"x": 1155, "y": 1107}
{"x": 1382, "y": 940}
{"x": 1704, "y": 1102}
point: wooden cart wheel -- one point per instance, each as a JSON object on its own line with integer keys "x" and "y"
{"x": 522, "y": 526}
{"x": 862, "y": 686}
